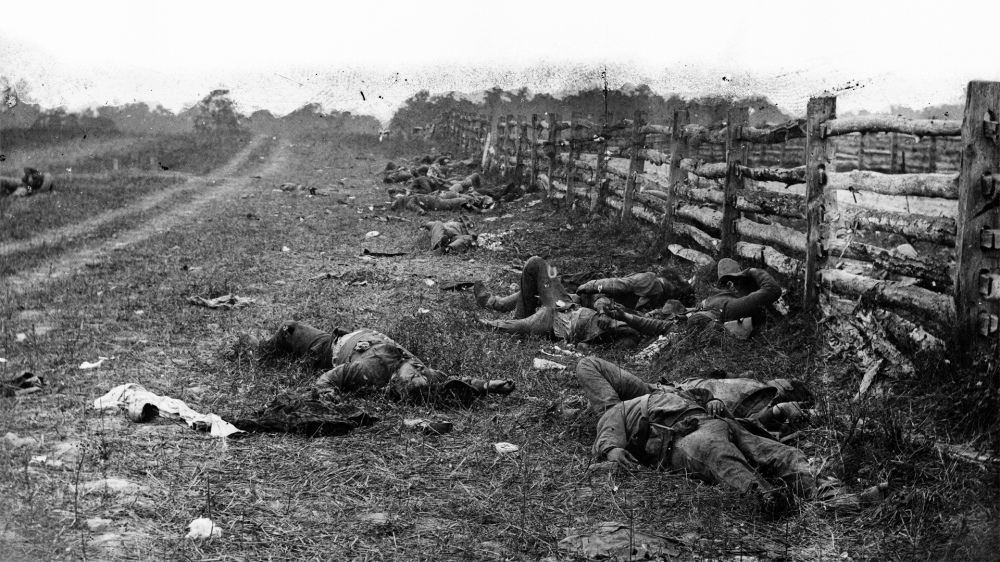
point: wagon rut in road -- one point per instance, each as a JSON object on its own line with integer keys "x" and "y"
{"x": 79, "y": 229}
{"x": 212, "y": 187}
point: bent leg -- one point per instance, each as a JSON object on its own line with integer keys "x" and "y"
{"x": 540, "y": 287}
{"x": 776, "y": 460}
{"x": 606, "y": 384}
{"x": 709, "y": 455}
{"x": 538, "y": 324}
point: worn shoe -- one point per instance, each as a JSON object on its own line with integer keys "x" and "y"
{"x": 482, "y": 295}
{"x": 775, "y": 502}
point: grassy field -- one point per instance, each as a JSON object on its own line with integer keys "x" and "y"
{"x": 386, "y": 492}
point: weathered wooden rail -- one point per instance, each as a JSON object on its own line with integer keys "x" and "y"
{"x": 875, "y": 206}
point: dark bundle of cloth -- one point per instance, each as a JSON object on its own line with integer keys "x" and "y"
{"x": 305, "y": 415}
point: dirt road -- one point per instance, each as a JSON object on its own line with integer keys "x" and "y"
{"x": 206, "y": 189}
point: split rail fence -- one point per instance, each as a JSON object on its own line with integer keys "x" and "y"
{"x": 903, "y": 212}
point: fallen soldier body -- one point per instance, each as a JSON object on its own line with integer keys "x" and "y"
{"x": 12, "y": 187}
{"x": 37, "y": 181}
{"x": 440, "y": 201}
{"x": 741, "y": 308}
{"x": 451, "y": 236}
{"x": 638, "y": 291}
{"x": 692, "y": 432}
{"x": 543, "y": 307}
{"x": 770, "y": 403}
{"x": 368, "y": 359}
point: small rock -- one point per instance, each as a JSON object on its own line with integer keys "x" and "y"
{"x": 202, "y": 528}
{"x": 375, "y": 518}
{"x": 97, "y": 524}
{"x": 16, "y": 441}
{"x": 107, "y": 540}
{"x": 115, "y": 485}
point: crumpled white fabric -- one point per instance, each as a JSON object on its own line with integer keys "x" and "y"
{"x": 134, "y": 397}
{"x": 203, "y": 528}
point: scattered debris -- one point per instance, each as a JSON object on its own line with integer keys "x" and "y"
{"x": 506, "y": 448}
{"x": 97, "y": 524}
{"x": 367, "y": 252}
{"x": 98, "y": 363}
{"x": 202, "y": 528}
{"x": 115, "y": 485}
{"x": 429, "y": 282}
{"x": 227, "y": 302}
{"x": 142, "y": 406}
{"x": 286, "y": 249}
{"x": 21, "y": 336}
{"x": 560, "y": 352}
{"x": 16, "y": 441}
{"x": 372, "y": 234}
{"x": 428, "y": 427}
{"x": 546, "y": 365}
{"x": 327, "y": 275}
{"x": 423, "y": 311}
{"x": 493, "y": 240}
{"x": 621, "y": 541}
{"x": 457, "y": 286}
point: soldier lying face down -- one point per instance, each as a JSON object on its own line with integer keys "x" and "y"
{"x": 365, "y": 358}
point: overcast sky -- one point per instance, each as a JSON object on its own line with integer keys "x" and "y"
{"x": 369, "y": 56}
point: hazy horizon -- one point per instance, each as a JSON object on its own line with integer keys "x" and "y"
{"x": 114, "y": 53}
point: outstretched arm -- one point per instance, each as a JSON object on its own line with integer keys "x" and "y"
{"x": 641, "y": 324}
{"x": 639, "y": 284}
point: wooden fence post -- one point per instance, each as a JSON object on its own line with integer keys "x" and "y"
{"x": 501, "y": 142}
{"x": 637, "y": 165}
{"x": 932, "y": 154}
{"x": 977, "y": 271}
{"x": 534, "y": 153}
{"x": 818, "y": 111}
{"x": 511, "y": 128}
{"x": 678, "y": 151}
{"x": 861, "y": 151}
{"x": 599, "y": 194}
{"x": 893, "y": 148}
{"x": 553, "y": 151}
{"x": 735, "y": 153}
{"x": 518, "y": 150}
{"x": 570, "y": 166}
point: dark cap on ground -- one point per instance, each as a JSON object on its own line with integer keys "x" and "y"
{"x": 730, "y": 270}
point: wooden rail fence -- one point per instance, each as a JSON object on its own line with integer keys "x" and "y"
{"x": 903, "y": 212}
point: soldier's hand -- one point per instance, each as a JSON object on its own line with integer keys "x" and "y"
{"x": 623, "y": 458}
{"x": 716, "y": 407}
{"x": 614, "y": 310}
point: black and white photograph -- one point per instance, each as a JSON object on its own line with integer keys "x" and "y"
{"x": 711, "y": 281}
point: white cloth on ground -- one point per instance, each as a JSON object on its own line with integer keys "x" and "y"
{"x": 134, "y": 398}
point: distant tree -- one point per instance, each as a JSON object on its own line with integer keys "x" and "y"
{"x": 216, "y": 112}
{"x": 13, "y": 93}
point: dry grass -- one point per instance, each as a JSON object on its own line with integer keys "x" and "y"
{"x": 383, "y": 492}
